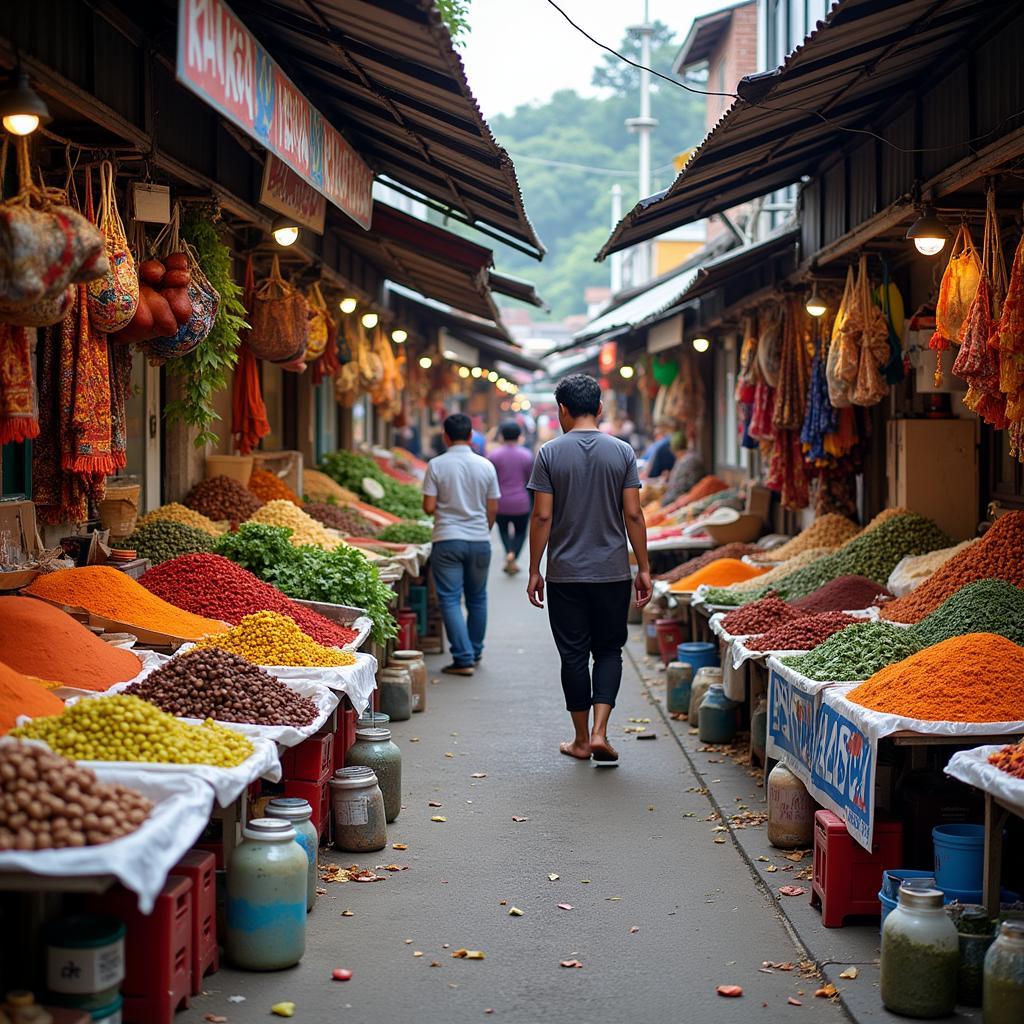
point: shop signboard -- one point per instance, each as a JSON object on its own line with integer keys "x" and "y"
{"x": 221, "y": 61}
{"x": 285, "y": 192}
{"x": 792, "y": 704}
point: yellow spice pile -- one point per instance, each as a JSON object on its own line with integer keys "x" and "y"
{"x": 305, "y": 529}
{"x": 267, "y": 638}
{"x": 180, "y": 514}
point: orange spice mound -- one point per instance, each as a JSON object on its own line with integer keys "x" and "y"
{"x": 110, "y": 593}
{"x": 703, "y": 488}
{"x": 971, "y": 678}
{"x": 270, "y": 487}
{"x": 720, "y": 573}
{"x": 42, "y": 641}
{"x": 999, "y": 554}
{"x": 21, "y": 695}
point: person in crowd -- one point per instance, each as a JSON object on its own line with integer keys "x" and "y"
{"x": 659, "y": 459}
{"x": 513, "y": 463}
{"x": 460, "y": 490}
{"x": 478, "y": 439}
{"x": 586, "y": 493}
{"x": 687, "y": 471}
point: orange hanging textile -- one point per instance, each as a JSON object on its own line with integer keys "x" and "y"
{"x": 18, "y": 414}
{"x": 841, "y": 365}
{"x": 249, "y": 421}
{"x": 956, "y": 293}
{"x": 872, "y": 332}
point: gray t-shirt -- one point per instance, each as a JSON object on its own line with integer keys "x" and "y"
{"x": 462, "y": 481}
{"x": 586, "y": 471}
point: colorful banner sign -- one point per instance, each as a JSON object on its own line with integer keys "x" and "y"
{"x": 220, "y": 60}
{"x": 791, "y": 714}
{"x": 285, "y": 192}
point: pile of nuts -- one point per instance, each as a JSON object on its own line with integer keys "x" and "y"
{"x": 305, "y": 529}
{"x": 267, "y": 638}
{"x": 220, "y": 685}
{"x": 48, "y": 803}
{"x": 759, "y": 616}
{"x": 220, "y": 497}
{"x": 342, "y": 518}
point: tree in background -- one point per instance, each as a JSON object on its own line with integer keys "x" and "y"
{"x": 455, "y": 14}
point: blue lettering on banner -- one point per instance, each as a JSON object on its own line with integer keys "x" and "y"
{"x": 791, "y": 723}
{"x": 843, "y": 771}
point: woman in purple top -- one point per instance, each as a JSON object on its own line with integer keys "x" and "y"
{"x": 513, "y": 463}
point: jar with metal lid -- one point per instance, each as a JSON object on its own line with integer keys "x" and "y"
{"x": 265, "y": 911}
{"x": 1003, "y": 984}
{"x": 300, "y": 814}
{"x": 395, "y": 685}
{"x": 371, "y": 719}
{"x": 358, "y": 805}
{"x": 790, "y": 810}
{"x": 920, "y": 955}
{"x": 413, "y": 661}
{"x": 374, "y": 749}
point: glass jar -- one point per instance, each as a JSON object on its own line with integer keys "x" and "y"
{"x": 395, "y": 685}
{"x": 358, "y": 805}
{"x": 704, "y": 678}
{"x": 265, "y": 910}
{"x": 300, "y": 814}
{"x": 371, "y": 719}
{"x": 790, "y": 810}
{"x": 759, "y": 729}
{"x": 975, "y": 934}
{"x": 1003, "y": 984}
{"x": 920, "y": 955}
{"x": 678, "y": 684}
{"x": 717, "y": 716}
{"x": 374, "y": 749}
{"x": 417, "y": 668}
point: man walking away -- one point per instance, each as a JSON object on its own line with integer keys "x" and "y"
{"x": 513, "y": 463}
{"x": 460, "y": 490}
{"x": 586, "y": 502}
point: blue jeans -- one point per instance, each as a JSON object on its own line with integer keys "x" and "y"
{"x": 460, "y": 567}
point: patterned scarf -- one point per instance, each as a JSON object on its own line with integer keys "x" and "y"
{"x": 19, "y": 419}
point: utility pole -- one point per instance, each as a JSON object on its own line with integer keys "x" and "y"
{"x": 643, "y": 126}
{"x": 616, "y": 257}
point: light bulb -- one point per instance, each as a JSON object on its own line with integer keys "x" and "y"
{"x": 21, "y": 124}
{"x": 502, "y": 383}
{"x": 524, "y": 404}
{"x": 477, "y": 372}
{"x": 22, "y": 109}
{"x": 463, "y": 372}
{"x": 286, "y": 234}
{"x": 426, "y": 362}
{"x": 701, "y": 344}
{"x": 348, "y": 305}
{"x": 493, "y": 376}
{"x": 815, "y": 305}
{"x": 398, "y": 336}
{"x": 929, "y": 246}
{"x": 370, "y": 320}
{"x": 625, "y": 372}
{"x": 928, "y": 233}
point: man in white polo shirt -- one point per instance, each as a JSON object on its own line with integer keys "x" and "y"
{"x": 461, "y": 492}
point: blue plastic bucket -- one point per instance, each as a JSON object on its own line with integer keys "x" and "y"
{"x": 699, "y": 654}
{"x": 959, "y": 855}
{"x": 895, "y": 877}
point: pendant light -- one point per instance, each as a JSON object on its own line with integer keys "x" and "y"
{"x": 398, "y": 336}
{"x": 701, "y": 344}
{"x": 22, "y": 109}
{"x": 285, "y": 231}
{"x": 348, "y": 305}
{"x": 426, "y": 362}
{"x": 626, "y": 372}
{"x": 928, "y": 233}
{"x": 815, "y": 305}
{"x": 370, "y": 320}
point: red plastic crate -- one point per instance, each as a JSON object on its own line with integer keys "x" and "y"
{"x": 318, "y": 796}
{"x": 157, "y": 950}
{"x": 846, "y": 876}
{"x": 312, "y": 760}
{"x": 345, "y": 735}
{"x": 200, "y": 867}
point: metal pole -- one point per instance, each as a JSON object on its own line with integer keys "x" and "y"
{"x": 643, "y": 126}
{"x": 616, "y": 257}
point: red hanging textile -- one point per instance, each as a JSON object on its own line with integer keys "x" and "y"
{"x": 1009, "y": 340}
{"x": 249, "y": 423}
{"x": 19, "y": 418}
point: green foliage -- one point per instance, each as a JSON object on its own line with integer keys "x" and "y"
{"x": 455, "y": 14}
{"x": 205, "y": 370}
{"x": 406, "y": 532}
{"x": 307, "y": 573}
{"x": 350, "y": 469}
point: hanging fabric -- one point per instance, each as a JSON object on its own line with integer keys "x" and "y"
{"x": 19, "y": 416}
{"x": 1009, "y": 341}
{"x": 871, "y": 333}
{"x": 841, "y": 366}
{"x": 821, "y": 418}
{"x": 249, "y": 423}
{"x": 956, "y": 293}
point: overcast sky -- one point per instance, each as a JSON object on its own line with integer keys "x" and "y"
{"x": 521, "y": 51}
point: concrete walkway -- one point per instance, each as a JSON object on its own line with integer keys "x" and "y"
{"x": 660, "y": 913}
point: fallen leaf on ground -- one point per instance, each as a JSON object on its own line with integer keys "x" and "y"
{"x": 468, "y": 954}
{"x": 408, "y": 942}
{"x": 763, "y": 860}
{"x": 552, "y": 877}
{"x": 514, "y": 912}
{"x": 434, "y": 803}
{"x": 729, "y": 991}
{"x": 569, "y": 963}
{"x": 584, "y": 881}
{"x": 612, "y": 899}
{"x": 826, "y": 991}
{"x": 414, "y": 739}
{"x": 633, "y": 930}
{"x": 514, "y": 818}
{"x": 448, "y": 753}
{"x": 418, "y": 952}
{"x": 565, "y": 906}
{"x": 488, "y": 1010}
{"x": 479, "y": 775}
{"x": 438, "y": 817}
{"x": 849, "y": 974}
{"x": 502, "y": 903}
{"x": 236, "y": 999}
{"x": 283, "y": 1009}
{"x": 792, "y": 890}
{"x": 341, "y": 974}
{"x": 435, "y": 963}
{"x": 784, "y": 966}
{"x": 794, "y": 1002}
{"x": 648, "y": 736}
{"x": 771, "y": 869}
{"x": 634, "y": 728}
{"x": 399, "y": 846}
{"x": 214, "y": 1018}
{"x": 720, "y": 839}
{"x": 797, "y": 855}
{"x": 347, "y": 913}
{"x": 396, "y": 867}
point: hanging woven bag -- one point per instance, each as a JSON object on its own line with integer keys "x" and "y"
{"x": 114, "y": 297}
{"x": 279, "y": 319}
{"x": 318, "y": 332}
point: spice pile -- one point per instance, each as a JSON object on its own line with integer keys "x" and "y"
{"x": 317, "y": 486}
{"x": 844, "y": 593}
{"x": 988, "y": 606}
{"x": 107, "y": 592}
{"x": 270, "y": 487}
{"x": 718, "y": 574}
{"x": 801, "y": 634}
{"x": 214, "y": 586}
{"x": 704, "y": 488}
{"x": 220, "y": 497}
{"x": 972, "y": 678}
{"x": 304, "y": 528}
{"x": 220, "y": 685}
{"x": 163, "y": 539}
{"x": 1010, "y": 759}
{"x": 914, "y": 570}
{"x": 180, "y": 514}
{"x": 350, "y": 470}
{"x": 267, "y": 638}
{"x": 23, "y": 695}
{"x": 781, "y": 571}
{"x": 39, "y": 640}
{"x": 999, "y": 554}
{"x": 406, "y": 532}
{"x": 125, "y": 728}
{"x": 343, "y": 519}
{"x": 855, "y": 652}
{"x": 733, "y": 550}
{"x": 827, "y": 531}
{"x": 760, "y": 616}
{"x": 49, "y": 803}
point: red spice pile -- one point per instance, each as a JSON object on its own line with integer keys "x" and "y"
{"x": 733, "y": 550}
{"x": 1010, "y": 759}
{"x": 803, "y": 634}
{"x": 844, "y": 593}
{"x": 214, "y": 586}
{"x": 759, "y": 616}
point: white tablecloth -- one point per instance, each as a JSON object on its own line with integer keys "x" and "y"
{"x": 972, "y": 767}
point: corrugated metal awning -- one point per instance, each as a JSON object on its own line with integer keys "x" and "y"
{"x": 865, "y": 56}
{"x": 705, "y": 34}
{"x": 516, "y": 288}
{"x": 388, "y": 78}
{"x": 716, "y": 272}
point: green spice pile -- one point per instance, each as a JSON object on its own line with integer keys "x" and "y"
{"x": 856, "y": 652}
{"x": 160, "y": 540}
{"x": 341, "y": 576}
{"x": 342, "y": 518}
{"x": 987, "y": 606}
{"x": 872, "y": 553}
{"x": 406, "y": 532}
{"x": 350, "y": 470}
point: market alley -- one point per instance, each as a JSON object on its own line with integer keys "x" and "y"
{"x": 614, "y": 867}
